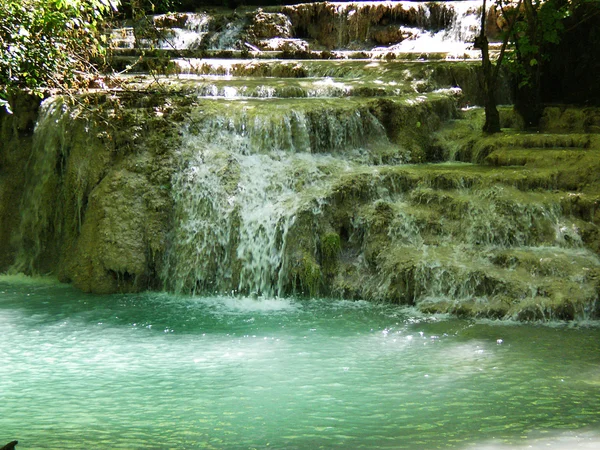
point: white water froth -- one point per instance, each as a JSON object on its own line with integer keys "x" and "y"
{"x": 569, "y": 440}
{"x": 242, "y": 305}
{"x": 326, "y": 87}
{"x": 195, "y": 33}
{"x": 190, "y": 37}
{"x": 456, "y": 39}
{"x": 237, "y": 195}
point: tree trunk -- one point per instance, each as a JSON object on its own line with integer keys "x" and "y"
{"x": 492, "y": 116}
{"x": 10, "y": 446}
{"x": 528, "y": 103}
{"x": 490, "y": 71}
{"x": 528, "y": 99}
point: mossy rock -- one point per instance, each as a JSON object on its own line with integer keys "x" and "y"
{"x": 305, "y": 275}
{"x": 329, "y": 248}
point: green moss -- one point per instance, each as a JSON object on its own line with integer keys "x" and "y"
{"x": 410, "y": 123}
{"x": 564, "y": 119}
{"x": 330, "y": 248}
{"x": 306, "y": 275}
{"x": 497, "y": 307}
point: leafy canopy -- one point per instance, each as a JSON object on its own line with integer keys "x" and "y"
{"x": 47, "y": 43}
{"x": 539, "y": 25}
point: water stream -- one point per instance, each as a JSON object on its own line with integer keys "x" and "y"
{"x": 157, "y": 371}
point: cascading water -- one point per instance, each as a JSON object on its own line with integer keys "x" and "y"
{"x": 456, "y": 38}
{"x": 189, "y": 37}
{"x": 45, "y": 212}
{"x": 244, "y": 176}
{"x": 487, "y": 255}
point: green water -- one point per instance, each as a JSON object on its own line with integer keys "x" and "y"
{"x": 157, "y": 371}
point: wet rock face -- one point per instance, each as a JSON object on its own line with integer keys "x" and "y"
{"x": 335, "y": 25}
{"x": 111, "y": 250}
{"x": 96, "y": 196}
{"x": 123, "y": 234}
{"x": 323, "y": 25}
{"x": 270, "y": 25}
{"x": 387, "y": 35}
{"x": 25, "y": 108}
{"x": 292, "y": 46}
{"x": 171, "y": 20}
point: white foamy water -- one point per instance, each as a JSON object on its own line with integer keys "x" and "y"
{"x": 581, "y": 440}
{"x": 244, "y": 305}
{"x": 456, "y": 40}
{"x": 245, "y": 176}
{"x": 190, "y": 36}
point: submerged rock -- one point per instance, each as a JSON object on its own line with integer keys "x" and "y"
{"x": 10, "y": 445}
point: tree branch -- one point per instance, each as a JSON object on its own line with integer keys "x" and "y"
{"x": 511, "y": 26}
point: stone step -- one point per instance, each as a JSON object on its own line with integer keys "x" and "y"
{"x": 119, "y": 54}
{"x": 307, "y": 78}
{"x": 442, "y": 240}
{"x": 252, "y": 87}
{"x": 301, "y": 68}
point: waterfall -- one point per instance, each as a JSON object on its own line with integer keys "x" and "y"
{"x": 489, "y": 243}
{"x": 457, "y": 37}
{"x": 398, "y": 26}
{"x": 243, "y": 179}
{"x": 65, "y": 164}
{"x": 352, "y": 172}
{"x": 43, "y": 198}
{"x": 191, "y": 35}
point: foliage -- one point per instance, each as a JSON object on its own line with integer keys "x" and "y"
{"x": 540, "y": 24}
{"x": 139, "y": 8}
{"x": 532, "y": 27}
{"x": 571, "y": 73}
{"x": 490, "y": 70}
{"x": 48, "y": 43}
{"x": 539, "y": 28}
